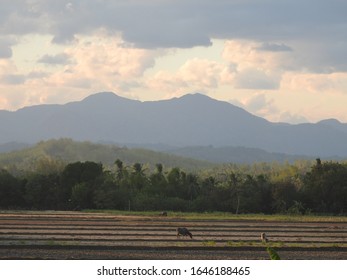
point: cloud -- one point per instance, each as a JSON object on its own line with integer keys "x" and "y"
{"x": 261, "y": 105}
{"x": 101, "y": 62}
{"x": 257, "y": 103}
{"x": 6, "y": 44}
{"x": 181, "y": 22}
{"x": 322, "y": 57}
{"x": 12, "y": 79}
{"x": 9, "y": 73}
{"x": 203, "y": 72}
{"x": 278, "y": 26}
{"x": 252, "y": 68}
{"x": 334, "y": 83}
{"x": 37, "y": 75}
{"x": 195, "y": 75}
{"x": 273, "y": 47}
{"x": 256, "y": 79}
{"x": 5, "y": 52}
{"x": 20, "y": 17}
{"x": 289, "y": 117}
{"x": 61, "y": 58}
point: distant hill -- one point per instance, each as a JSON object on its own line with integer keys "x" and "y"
{"x": 67, "y": 150}
{"x": 238, "y": 155}
{"x": 192, "y": 120}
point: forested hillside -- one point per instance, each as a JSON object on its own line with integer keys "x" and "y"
{"x": 261, "y": 189}
{"x": 240, "y": 155}
{"x": 53, "y": 154}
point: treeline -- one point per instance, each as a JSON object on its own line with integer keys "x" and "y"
{"x": 88, "y": 185}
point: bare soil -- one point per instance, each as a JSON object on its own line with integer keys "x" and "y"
{"x": 75, "y": 235}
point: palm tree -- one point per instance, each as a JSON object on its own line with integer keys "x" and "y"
{"x": 120, "y": 169}
{"x": 138, "y": 177}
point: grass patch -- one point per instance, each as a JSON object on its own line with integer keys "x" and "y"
{"x": 226, "y": 216}
{"x": 51, "y": 243}
{"x": 210, "y": 243}
{"x": 198, "y": 215}
{"x": 272, "y": 253}
{"x": 285, "y": 245}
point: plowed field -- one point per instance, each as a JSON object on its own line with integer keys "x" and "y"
{"x": 75, "y": 235}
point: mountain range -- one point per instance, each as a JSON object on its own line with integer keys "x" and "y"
{"x": 191, "y": 120}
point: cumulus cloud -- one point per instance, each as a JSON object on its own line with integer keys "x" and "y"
{"x": 7, "y": 67}
{"x": 100, "y": 62}
{"x": 6, "y": 44}
{"x": 12, "y": 79}
{"x": 260, "y": 104}
{"x": 289, "y": 117}
{"x": 256, "y": 79}
{"x": 274, "y": 47}
{"x": 195, "y": 75}
{"x": 61, "y": 58}
{"x": 252, "y": 68}
{"x": 37, "y": 75}
{"x": 315, "y": 82}
{"x": 5, "y": 52}
{"x": 257, "y": 103}
{"x": 95, "y": 63}
{"x": 249, "y": 54}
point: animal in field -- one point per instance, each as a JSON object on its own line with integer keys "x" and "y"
{"x": 183, "y": 232}
{"x": 263, "y": 237}
{"x": 164, "y": 214}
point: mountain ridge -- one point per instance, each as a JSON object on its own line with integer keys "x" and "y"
{"x": 190, "y": 120}
{"x": 67, "y": 150}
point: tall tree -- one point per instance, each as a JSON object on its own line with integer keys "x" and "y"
{"x": 325, "y": 187}
{"x": 11, "y": 191}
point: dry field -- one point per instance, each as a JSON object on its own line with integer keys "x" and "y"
{"x": 76, "y": 235}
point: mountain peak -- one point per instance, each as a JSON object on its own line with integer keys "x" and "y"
{"x": 330, "y": 122}
{"x": 195, "y": 96}
{"x": 107, "y": 99}
{"x": 101, "y": 95}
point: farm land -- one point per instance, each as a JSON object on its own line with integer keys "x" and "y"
{"x": 61, "y": 235}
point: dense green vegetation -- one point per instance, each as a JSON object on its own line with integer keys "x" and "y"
{"x": 268, "y": 189}
{"x": 57, "y": 153}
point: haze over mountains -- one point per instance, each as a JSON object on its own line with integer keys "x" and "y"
{"x": 191, "y": 120}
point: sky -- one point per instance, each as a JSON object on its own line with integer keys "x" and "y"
{"x": 284, "y": 60}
